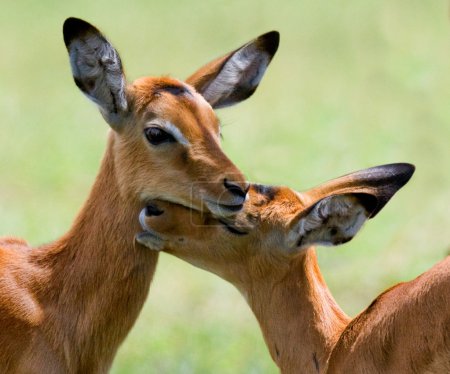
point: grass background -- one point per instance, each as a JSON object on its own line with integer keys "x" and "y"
{"x": 354, "y": 84}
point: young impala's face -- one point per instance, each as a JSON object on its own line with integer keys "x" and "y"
{"x": 276, "y": 223}
{"x": 266, "y": 216}
{"x": 215, "y": 244}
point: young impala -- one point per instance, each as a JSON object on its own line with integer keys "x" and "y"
{"x": 267, "y": 253}
{"x": 65, "y": 307}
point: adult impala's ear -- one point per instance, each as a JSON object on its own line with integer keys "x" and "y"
{"x": 97, "y": 69}
{"x": 234, "y": 77}
{"x": 338, "y": 209}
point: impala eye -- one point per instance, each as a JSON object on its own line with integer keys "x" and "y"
{"x": 157, "y": 136}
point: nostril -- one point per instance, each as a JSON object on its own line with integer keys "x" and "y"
{"x": 235, "y": 189}
{"x": 153, "y": 210}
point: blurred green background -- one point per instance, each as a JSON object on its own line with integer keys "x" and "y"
{"x": 354, "y": 84}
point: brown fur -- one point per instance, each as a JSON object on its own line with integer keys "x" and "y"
{"x": 299, "y": 318}
{"x": 65, "y": 307}
{"x": 283, "y": 285}
{"x": 405, "y": 330}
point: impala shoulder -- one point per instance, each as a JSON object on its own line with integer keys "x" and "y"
{"x": 363, "y": 325}
{"x": 17, "y": 300}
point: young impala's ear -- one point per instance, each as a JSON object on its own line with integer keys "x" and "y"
{"x": 333, "y": 220}
{"x": 97, "y": 69}
{"x": 340, "y": 207}
{"x": 234, "y": 77}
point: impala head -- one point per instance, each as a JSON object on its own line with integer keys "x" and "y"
{"x": 166, "y": 135}
{"x": 276, "y": 224}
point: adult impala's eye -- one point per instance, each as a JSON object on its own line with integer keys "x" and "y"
{"x": 157, "y": 136}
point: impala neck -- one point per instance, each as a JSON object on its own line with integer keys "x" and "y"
{"x": 299, "y": 318}
{"x": 98, "y": 277}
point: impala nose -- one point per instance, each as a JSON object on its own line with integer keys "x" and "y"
{"x": 235, "y": 188}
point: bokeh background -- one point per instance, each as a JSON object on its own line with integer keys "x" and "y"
{"x": 354, "y": 84}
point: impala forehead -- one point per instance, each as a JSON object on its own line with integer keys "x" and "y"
{"x": 275, "y": 205}
{"x": 176, "y": 102}
{"x": 271, "y": 196}
{"x": 187, "y": 122}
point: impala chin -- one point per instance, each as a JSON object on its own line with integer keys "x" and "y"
{"x": 150, "y": 240}
{"x": 225, "y": 207}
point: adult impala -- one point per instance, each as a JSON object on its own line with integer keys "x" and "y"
{"x": 266, "y": 252}
{"x": 65, "y": 307}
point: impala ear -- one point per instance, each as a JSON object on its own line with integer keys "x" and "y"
{"x": 340, "y": 207}
{"x": 97, "y": 69}
{"x": 234, "y": 77}
{"x": 333, "y": 220}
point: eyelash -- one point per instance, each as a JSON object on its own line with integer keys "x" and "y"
{"x": 157, "y": 136}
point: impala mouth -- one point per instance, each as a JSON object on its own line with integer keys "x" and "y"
{"x": 223, "y": 210}
{"x": 231, "y": 208}
{"x": 150, "y": 240}
{"x": 216, "y": 208}
{"x": 232, "y": 229}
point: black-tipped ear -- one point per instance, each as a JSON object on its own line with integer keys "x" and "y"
{"x": 383, "y": 182}
{"x": 75, "y": 28}
{"x": 333, "y": 220}
{"x": 97, "y": 69}
{"x": 234, "y": 77}
{"x": 339, "y": 208}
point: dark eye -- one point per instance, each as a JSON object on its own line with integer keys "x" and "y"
{"x": 157, "y": 136}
